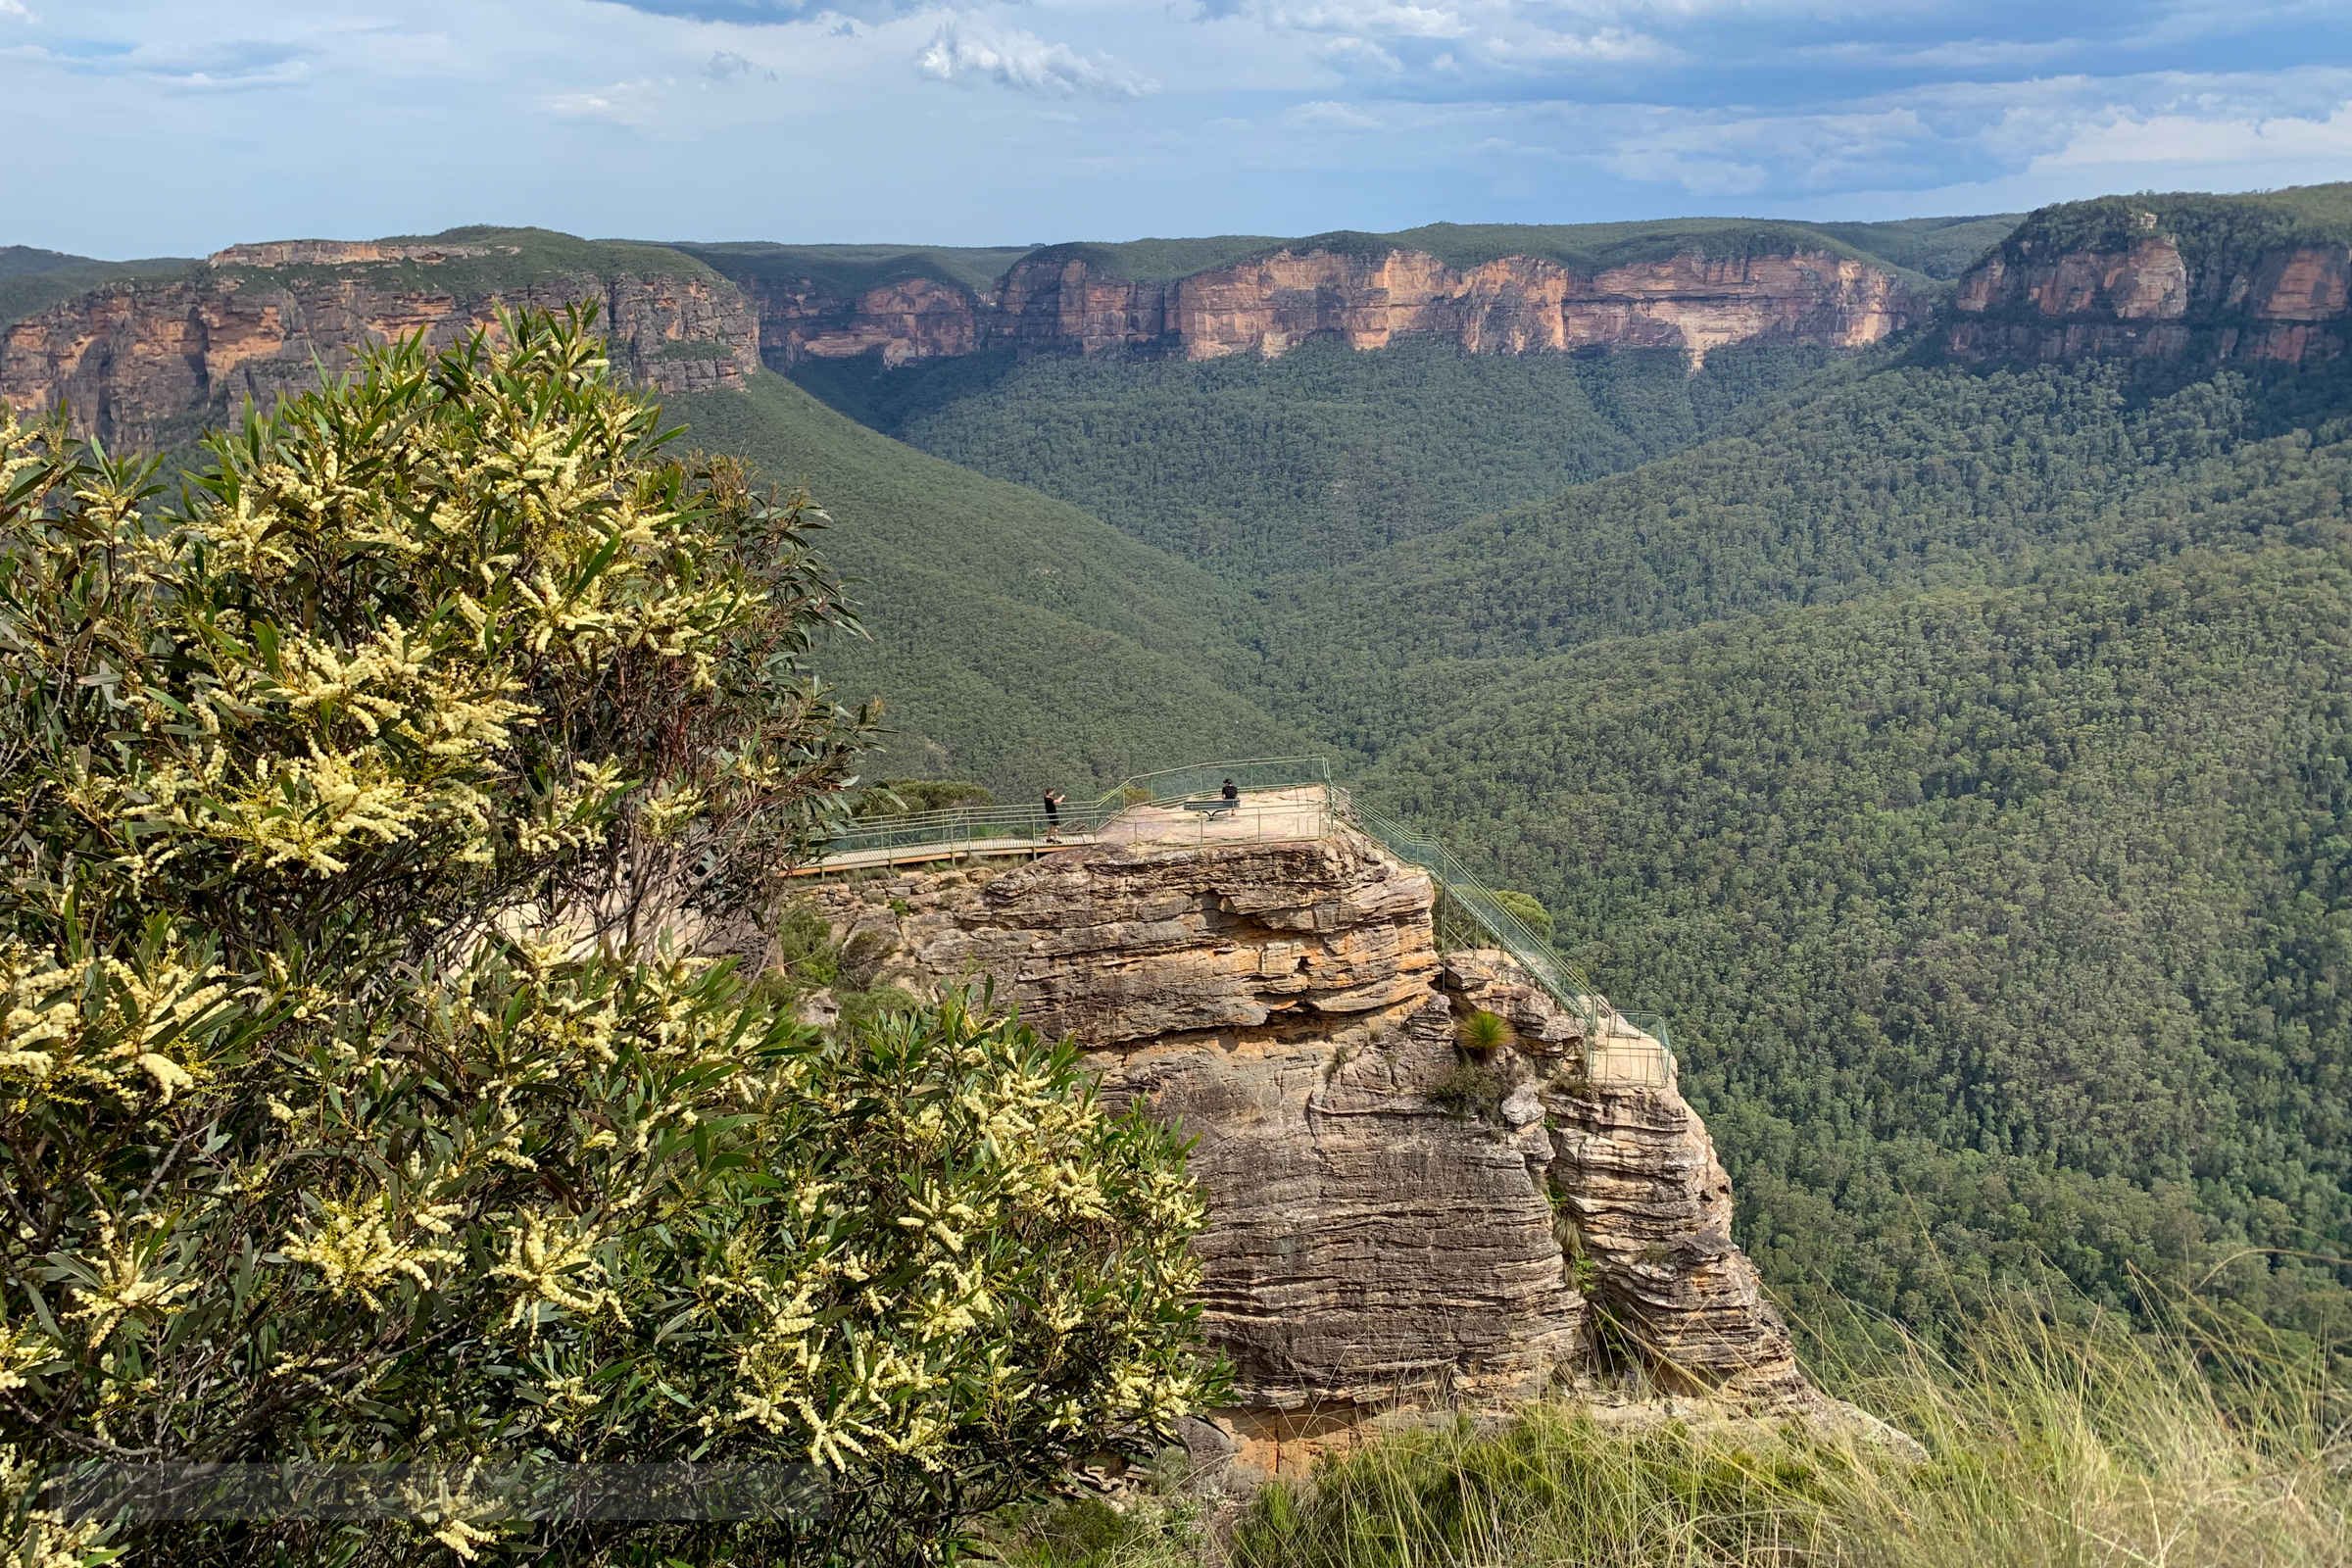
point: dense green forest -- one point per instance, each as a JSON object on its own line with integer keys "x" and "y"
{"x": 1918, "y": 476}
{"x": 1960, "y": 760}
{"x": 2002, "y": 931}
{"x": 854, "y": 268}
{"x": 33, "y": 281}
{"x": 1940, "y": 247}
{"x": 1255, "y": 468}
{"x": 1016, "y": 638}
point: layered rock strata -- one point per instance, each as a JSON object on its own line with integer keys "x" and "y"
{"x": 1394, "y": 1223}
{"x": 145, "y": 363}
{"x": 142, "y": 364}
{"x": 1513, "y": 305}
{"x": 2145, "y": 299}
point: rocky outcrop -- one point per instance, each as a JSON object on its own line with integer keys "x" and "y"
{"x": 1061, "y": 300}
{"x": 2140, "y": 290}
{"x": 1394, "y": 1222}
{"x": 142, "y": 364}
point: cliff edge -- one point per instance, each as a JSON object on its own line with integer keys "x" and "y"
{"x": 1694, "y": 297}
{"x": 144, "y": 363}
{"x": 2208, "y": 279}
{"x": 1395, "y": 1220}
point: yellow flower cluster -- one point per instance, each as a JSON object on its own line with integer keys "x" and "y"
{"x": 95, "y": 1026}
{"x": 987, "y": 1284}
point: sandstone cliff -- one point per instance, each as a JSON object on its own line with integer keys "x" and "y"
{"x": 143, "y": 363}
{"x": 1065, "y": 298}
{"x": 1394, "y": 1223}
{"x": 2212, "y": 280}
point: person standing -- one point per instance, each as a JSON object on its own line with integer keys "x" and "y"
{"x": 1053, "y": 800}
{"x": 1233, "y": 795}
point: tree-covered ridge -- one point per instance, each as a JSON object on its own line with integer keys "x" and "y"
{"x": 509, "y": 258}
{"x": 1921, "y": 250}
{"x": 2001, "y": 931}
{"x": 1590, "y": 248}
{"x": 485, "y": 258}
{"x": 32, "y": 281}
{"x": 1017, "y": 640}
{"x": 1914, "y": 476}
{"x": 852, "y": 269}
{"x": 1161, "y": 260}
{"x": 16, "y": 260}
{"x": 2216, "y": 233}
{"x": 1580, "y": 247}
{"x": 1257, "y": 467}
{"x": 1942, "y": 248}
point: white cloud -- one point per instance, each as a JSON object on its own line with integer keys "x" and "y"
{"x": 1026, "y": 62}
{"x": 2187, "y": 140}
{"x": 1359, "y": 55}
{"x": 1324, "y": 115}
{"x": 728, "y": 65}
{"x": 624, "y": 103}
{"x": 15, "y": 8}
{"x": 1608, "y": 46}
{"x": 1394, "y": 19}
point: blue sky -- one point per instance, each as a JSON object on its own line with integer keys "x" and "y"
{"x": 176, "y": 126}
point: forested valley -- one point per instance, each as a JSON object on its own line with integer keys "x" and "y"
{"x": 1958, "y": 756}
{"x": 1257, "y": 467}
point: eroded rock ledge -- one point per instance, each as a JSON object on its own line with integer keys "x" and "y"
{"x": 1394, "y": 1223}
{"x": 143, "y": 363}
{"x": 2144, "y": 298}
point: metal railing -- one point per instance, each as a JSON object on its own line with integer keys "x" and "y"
{"x": 1469, "y": 916}
{"x": 981, "y": 829}
{"x": 1619, "y": 1048}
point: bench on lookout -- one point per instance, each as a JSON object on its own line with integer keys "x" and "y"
{"x": 1216, "y": 805}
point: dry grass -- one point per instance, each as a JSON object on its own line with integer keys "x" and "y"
{"x": 2044, "y": 1445}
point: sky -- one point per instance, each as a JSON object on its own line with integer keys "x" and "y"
{"x": 141, "y": 127}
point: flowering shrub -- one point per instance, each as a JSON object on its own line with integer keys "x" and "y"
{"x": 349, "y": 1108}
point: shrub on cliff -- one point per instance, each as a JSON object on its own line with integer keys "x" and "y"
{"x": 347, "y": 1108}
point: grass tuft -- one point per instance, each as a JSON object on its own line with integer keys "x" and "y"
{"x": 2201, "y": 1444}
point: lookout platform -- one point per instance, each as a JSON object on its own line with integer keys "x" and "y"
{"x": 1260, "y": 815}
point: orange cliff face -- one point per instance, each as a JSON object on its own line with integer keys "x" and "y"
{"x": 1514, "y": 305}
{"x": 143, "y": 363}
{"x": 2287, "y": 305}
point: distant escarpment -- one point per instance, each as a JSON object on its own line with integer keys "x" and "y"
{"x": 1064, "y": 298}
{"x": 144, "y": 362}
{"x": 1396, "y": 1222}
{"x": 2209, "y": 279}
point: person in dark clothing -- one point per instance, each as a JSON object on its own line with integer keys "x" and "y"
{"x": 1232, "y": 796}
{"x": 1052, "y": 813}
